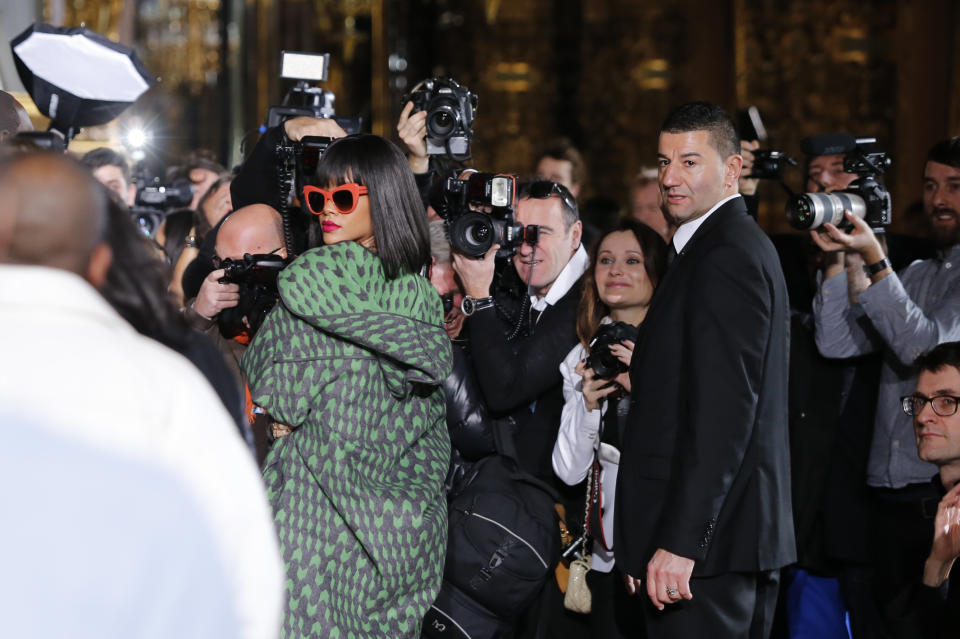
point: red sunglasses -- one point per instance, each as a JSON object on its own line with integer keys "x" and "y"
{"x": 344, "y": 197}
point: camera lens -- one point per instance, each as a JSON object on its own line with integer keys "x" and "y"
{"x": 442, "y": 120}
{"x": 471, "y": 234}
{"x": 813, "y": 210}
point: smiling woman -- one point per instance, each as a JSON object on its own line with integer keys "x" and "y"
{"x": 625, "y": 267}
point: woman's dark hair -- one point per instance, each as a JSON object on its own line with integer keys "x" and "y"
{"x": 176, "y": 227}
{"x": 136, "y": 283}
{"x": 399, "y": 222}
{"x": 202, "y": 226}
{"x": 592, "y": 309}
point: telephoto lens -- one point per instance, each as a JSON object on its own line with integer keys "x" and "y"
{"x": 813, "y": 210}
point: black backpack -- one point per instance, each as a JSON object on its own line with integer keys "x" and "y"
{"x": 503, "y": 545}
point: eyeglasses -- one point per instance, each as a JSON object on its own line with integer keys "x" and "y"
{"x": 542, "y": 189}
{"x": 345, "y": 197}
{"x": 943, "y": 405}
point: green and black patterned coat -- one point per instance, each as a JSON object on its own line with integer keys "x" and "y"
{"x": 355, "y": 361}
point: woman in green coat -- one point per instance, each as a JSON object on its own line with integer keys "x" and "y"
{"x": 352, "y": 359}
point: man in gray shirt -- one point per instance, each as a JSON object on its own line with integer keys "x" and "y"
{"x": 863, "y": 310}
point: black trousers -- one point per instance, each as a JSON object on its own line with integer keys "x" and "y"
{"x": 900, "y": 541}
{"x": 615, "y": 614}
{"x": 732, "y": 605}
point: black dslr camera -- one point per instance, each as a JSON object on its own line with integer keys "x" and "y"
{"x": 480, "y": 211}
{"x": 604, "y": 364}
{"x": 769, "y": 165}
{"x": 154, "y": 200}
{"x": 256, "y": 275}
{"x": 306, "y": 100}
{"x": 866, "y": 197}
{"x": 451, "y": 108}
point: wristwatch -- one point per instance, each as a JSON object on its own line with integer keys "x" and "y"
{"x": 471, "y": 305}
{"x": 876, "y": 267}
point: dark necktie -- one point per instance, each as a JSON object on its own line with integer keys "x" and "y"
{"x": 671, "y": 254}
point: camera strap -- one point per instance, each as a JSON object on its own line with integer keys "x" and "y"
{"x": 525, "y": 316}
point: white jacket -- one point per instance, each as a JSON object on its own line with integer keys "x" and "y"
{"x": 69, "y": 358}
{"x": 573, "y": 452}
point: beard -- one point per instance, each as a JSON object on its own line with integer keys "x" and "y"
{"x": 945, "y": 233}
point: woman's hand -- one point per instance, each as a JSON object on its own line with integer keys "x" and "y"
{"x": 593, "y": 388}
{"x": 623, "y": 352}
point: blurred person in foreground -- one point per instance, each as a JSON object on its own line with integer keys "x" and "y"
{"x": 99, "y": 543}
{"x": 625, "y": 268}
{"x": 703, "y": 519}
{"x": 351, "y": 362}
{"x": 72, "y": 362}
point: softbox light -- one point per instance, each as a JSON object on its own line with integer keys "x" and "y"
{"x": 77, "y": 77}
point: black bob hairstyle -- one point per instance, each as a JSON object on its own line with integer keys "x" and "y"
{"x": 396, "y": 210}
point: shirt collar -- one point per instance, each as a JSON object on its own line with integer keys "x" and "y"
{"x": 950, "y": 254}
{"x": 686, "y": 230}
{"x": 576, "y": 267}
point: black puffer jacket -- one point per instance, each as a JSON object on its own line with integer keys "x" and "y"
{"x": 468, "y": 420}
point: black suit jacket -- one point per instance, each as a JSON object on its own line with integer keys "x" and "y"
{"x": 705, "y": 465}
{"x": 524, "y": 373}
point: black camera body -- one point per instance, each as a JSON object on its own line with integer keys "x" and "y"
{"x": 604, "y": 364}
{"x": 304, "y": 99}
{"x": 256, "y": 275}
{"x": 154, "y": 200}
{"x": 451, "y": 109}
{"x": 866, "y": 197}
{"x": 480, "y": 211}
{"x": 769, "y": 165}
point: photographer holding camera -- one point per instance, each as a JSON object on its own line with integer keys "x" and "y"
{"x": 902, "y": 315}
{"x": 518, "y": 342}
{"x": 625, "y": 268}
{"x": 521, "y": 375}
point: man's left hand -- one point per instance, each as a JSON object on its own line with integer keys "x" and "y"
{"x": 668, "y": 578}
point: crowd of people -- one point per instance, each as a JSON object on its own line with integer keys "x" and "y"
{"x": 261, "y": 418}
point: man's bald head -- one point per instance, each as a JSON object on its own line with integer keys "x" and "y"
{"x": 13, "y": 117}
{"x": 52, "y": 212}
{"x": 257, "y": 228}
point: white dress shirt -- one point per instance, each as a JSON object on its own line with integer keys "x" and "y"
{"x": 576, "y": 267}
{"x": 686, "y": 230}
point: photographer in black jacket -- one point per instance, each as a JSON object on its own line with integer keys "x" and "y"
{"x": 518, "y": 344}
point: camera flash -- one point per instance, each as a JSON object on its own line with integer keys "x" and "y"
{"x": 500, "y": 191}
{"x": 304, "y": 66}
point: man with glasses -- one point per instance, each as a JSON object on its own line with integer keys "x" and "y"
{"x": 518, "y": 341}
{"x": 902, "y": 315}
{"x": 934, "y": 608}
